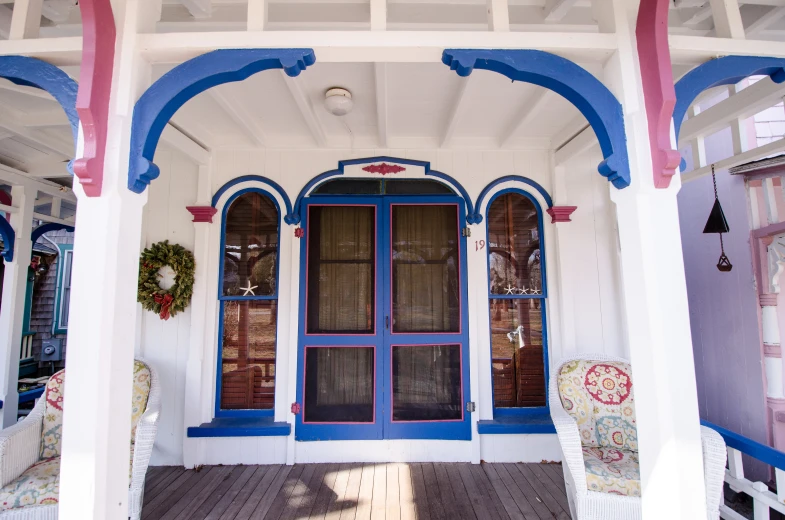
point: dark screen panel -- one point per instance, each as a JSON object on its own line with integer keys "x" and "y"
{"x": 339, "y": 384}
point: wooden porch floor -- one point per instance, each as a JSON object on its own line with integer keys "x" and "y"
{"x": 357, "y": 491}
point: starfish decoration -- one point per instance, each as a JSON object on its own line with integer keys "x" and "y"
{"x": 523, "y": 291}
{"x": 249, "y": 289}
{"x": 535, "y": 291}
{"x": 509, "y": 289}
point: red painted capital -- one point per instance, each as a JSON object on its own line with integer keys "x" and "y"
{"x": 202, "y": 213}
{"x": 95, "y": 85}
{"x": 651, "y": 33}
{"x": 768, "y": 300}
{"x": 561, "y": 213}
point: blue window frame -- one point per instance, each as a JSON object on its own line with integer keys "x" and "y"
{"x": 63, "y": 293}
{"x": 516, "y": 304}
{"x": 248, "y": 305}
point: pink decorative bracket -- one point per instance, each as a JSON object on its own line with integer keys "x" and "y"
{"x": 561, "y": 213}
{"x": 202, "y": 213}
{"x": 95, "y": 85}
{"x": 384, "y": 168}
{"x": 655, "y": 60}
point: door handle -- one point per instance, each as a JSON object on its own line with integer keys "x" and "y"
{"x": 387, "y": 322}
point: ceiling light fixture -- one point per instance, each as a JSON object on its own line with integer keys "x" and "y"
{"x": 338, "y": 101}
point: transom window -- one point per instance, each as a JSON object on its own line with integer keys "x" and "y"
{"x": 382, "y": 187}
{"x": 516, "y": 302}
{"x": 248, "y": 304}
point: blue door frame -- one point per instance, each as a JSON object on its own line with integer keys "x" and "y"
{"x": 383, "y": 340}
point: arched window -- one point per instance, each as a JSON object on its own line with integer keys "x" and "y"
{"x": 516, "y": 301}
{"x": 249, "y": 304}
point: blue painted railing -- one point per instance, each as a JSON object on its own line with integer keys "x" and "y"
{"x": 752, "y": 448}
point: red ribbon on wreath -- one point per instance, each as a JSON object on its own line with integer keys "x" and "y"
{"x": 165, "y": 300}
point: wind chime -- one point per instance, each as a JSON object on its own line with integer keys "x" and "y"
{"x": 718, "y": 224}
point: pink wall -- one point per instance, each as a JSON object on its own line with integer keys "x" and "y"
{"x": 724, "y": 306}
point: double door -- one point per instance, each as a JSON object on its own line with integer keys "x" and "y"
{"x": 383, "y": 348}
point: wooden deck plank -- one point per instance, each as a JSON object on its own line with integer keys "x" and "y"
{"x": 227, "y": 484}
{"x": 504, "y": 495}
{"x": 494, "y": 507}
{"x": 378, "y": 503}
{"x": 394, "y": 491}
{"x": 543, "y": 492}
{"x": 459, "y": 492}
{"x": 168, "y": 498}
{"x": 531, "y": 495}
{"x": 365, "y": 498}
{"x": 239, "y": 495}
{"x": 420, "y": 496}
{"x": 543, "y": 475}
{"x": 325, "y": 493}
{"x": 405, "y": 492}
{"x": 351, "y": 498}
{"x": 449, "y": 502}
{"x": 556, "y": 473}
{"x": 520, "y": 499}
{"x": 393, "y": 498}
{"x": 152, "y": 479}
{"x": 277, "y": 494}
{"x": 185, "y": 507}
{"x": 339, "y": 491}
{"x": 298, "y": 494}
{"x": 151, "y": 493}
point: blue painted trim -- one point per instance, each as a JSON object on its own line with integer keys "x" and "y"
{"x": 477, "y": 217}
{"x": 727, "y": 70}
{"x": 752, "y": 448}
{"x": 31, "y": 395}
{"x": 46, "y": 228}
{"x": 159, "y": 102}
{"x": 33, "y": 72}
{"x": 218, "y": 369}
{"x": 297, "y": 216}
{"x": 573, "y": 82}
{"x": 511, "y": 424}
{"x": 256, "y": 178}
{"x": 241, "y": 427}
{"x": 9, "y": 237}
{"x": 499, "y": 413}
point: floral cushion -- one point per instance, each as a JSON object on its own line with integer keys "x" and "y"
{"x": 53, "y": 417}
{"x": 38, "y": 486}
{"x": 609, "y": 470}
{"x": 53, "y": 413}
{"x": 599, "y": 396}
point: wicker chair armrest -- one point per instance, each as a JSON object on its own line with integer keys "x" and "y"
{"x": 20, "y": 445}
{"x": 715, "y": 454}
{"x": 569, "y": 439}
{"x": 146, "y": 430}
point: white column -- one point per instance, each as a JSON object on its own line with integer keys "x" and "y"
{"x": 200, "y": 341}
{"x": 655, "y": 305}
{"x": 772, "y": 350}
{"x": 102, "y": 327}
{"x": 12, "y": 309}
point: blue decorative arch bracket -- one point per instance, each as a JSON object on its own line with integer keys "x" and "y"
{"x": 296, "y": 215}
{"x": 600, "y": 107}
{"x": 32, "y": 72}
{"x": 727, "y": 70}
{"x": 262, "y": 180}
{"x": 9, "y": 237}
{"x": 164, "y": 97}
{"x": 46, "y": 228}
{"x": 476, "y": 218}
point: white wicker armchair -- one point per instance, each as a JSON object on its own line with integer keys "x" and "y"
{"x": 586, "y": 504}
{"x": 21, "y": 445}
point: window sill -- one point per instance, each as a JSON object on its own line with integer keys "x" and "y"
{"x": 511, "y": 424}
{"x": 241, "y": 427}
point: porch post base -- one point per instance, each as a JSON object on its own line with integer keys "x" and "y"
{"x": 776, "y": 411}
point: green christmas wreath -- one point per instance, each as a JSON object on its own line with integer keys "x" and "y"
{"x": 165, "y": 302}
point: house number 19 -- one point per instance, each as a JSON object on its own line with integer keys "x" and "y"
{"x": 479, "y": 244}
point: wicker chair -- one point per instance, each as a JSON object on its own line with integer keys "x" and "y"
{"x": 30, "y": 450}
{"x": 601, "y": 469}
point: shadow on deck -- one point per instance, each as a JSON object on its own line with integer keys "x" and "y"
{"x": 357, "y": 491}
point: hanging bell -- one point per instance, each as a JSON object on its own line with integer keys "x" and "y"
{"x": 716, "y": 222}
{"x": 724, "y": 264}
